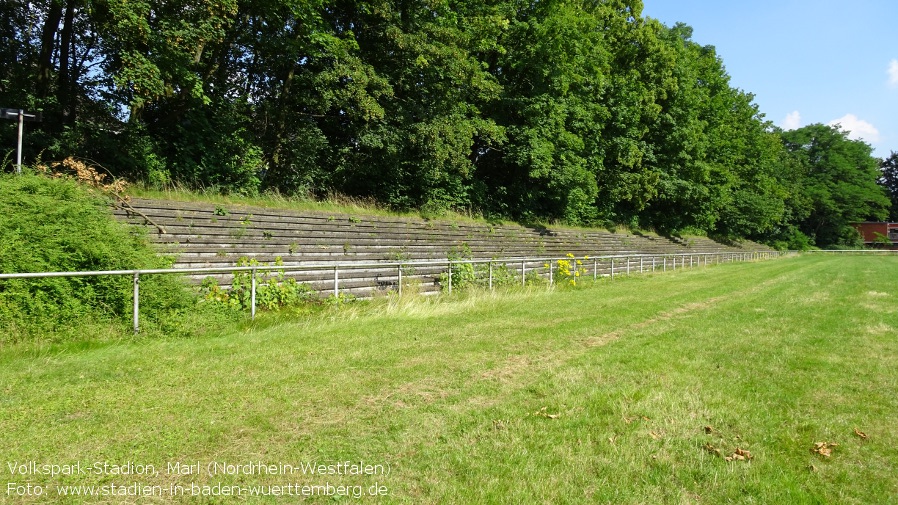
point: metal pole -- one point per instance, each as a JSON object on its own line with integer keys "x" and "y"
{"x": 640, "y": 263}
{"x": 19, "y": 147}
{"x": 612, "y": 268}
{"x": 450, "y": 277}
{"x": 551, "y": 277}
{"x": 336, "y": 282}
{"x": 252, "y": 296}
{"x": 399, "y": 269}
{"x": 491, "y": 275}
{"x": 136, "y": 301}
{"x": 595, "y": 269}
{"x": 628, "y": 266}
{"x": 523, "y": 270}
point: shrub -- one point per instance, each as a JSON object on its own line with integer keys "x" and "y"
{"x": 56, "y": 224}
{"x": 463, "y": 274}
{"x": 274, "y": 289}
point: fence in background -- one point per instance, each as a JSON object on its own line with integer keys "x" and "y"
{"x": 541, "y": 267}
{"x": 868, "y": 252}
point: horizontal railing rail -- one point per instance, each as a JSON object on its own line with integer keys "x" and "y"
{"x": 626, "y": 264}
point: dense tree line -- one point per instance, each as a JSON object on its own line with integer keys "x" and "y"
{"x": 582, "y": 111}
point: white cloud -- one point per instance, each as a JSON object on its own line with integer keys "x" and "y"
{"x": 792, "y": 121}
{"x": 857, "y": 128}
{"x": 893, "y": 73}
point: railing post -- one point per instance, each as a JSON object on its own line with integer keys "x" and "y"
{"x": 491, "y": 275}
{"x": 595, "y": 269}
{"x": 640, "y": 263}
{"x": 612, "y": 268}
{"x": 136, "y": 315}
{"x": 628, "y": 266}
{"x": 252, "y": 296}
{"x": 523, "y": 271}
{"x": 336, "y": 281}
{"x": 399, "y": 271}
{"x": 450, "y": 277}
{"x": 664, "y": 268}
{"x": 551, "y": 276}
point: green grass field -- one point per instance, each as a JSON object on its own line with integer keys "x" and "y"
{"x": 715, "y": 385}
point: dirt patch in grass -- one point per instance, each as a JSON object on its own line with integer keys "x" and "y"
{"x": 683, "y": 310}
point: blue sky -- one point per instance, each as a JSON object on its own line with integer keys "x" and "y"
{"x": 806, "y": 61}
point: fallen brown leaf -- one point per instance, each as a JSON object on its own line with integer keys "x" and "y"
{"x": 709, "y": 430}
{"x": 860, "y": 433}
{"x": 542, "y": 412}
{"x": 824, "y": 448}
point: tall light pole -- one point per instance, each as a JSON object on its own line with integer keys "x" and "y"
{"x": 21, "y": 116}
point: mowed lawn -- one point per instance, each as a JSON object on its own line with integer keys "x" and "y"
{"x": 769, "y": 382}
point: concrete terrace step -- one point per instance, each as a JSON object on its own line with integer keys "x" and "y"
{"x": 205, "y": 235}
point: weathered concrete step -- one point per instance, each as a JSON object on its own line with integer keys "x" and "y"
{"x": 168, "y": 218}
{"x": 195, "y": 230}
{"x": 179, "y": 231}
{"x": 285, "y": 220}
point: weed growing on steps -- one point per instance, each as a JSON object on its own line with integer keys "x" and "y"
{"x": 274, "y": 289}
{"x": 568, "y": 271}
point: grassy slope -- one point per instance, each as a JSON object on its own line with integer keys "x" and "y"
{"x": 589, "y": 395}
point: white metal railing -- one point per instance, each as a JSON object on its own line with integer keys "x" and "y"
{"x": 616, "y": 265}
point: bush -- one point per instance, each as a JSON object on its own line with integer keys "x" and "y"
{"x": 55, "y": 224}
{"x": 274, "y": 290}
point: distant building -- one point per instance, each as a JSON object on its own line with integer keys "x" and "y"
{"x": 875, "y": 234}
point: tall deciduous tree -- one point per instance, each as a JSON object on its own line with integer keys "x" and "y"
{"x": 889, "y": 181}
{"x": 839, "y": 180}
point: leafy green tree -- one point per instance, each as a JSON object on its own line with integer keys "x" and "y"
{"x": 889, "y": 181}
{"x": 839, "y": 179}
{"x": 419, "y": 152}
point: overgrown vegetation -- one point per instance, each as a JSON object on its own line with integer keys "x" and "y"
{"x": 583, "y": 112}
{"x": 480, "y": 275}
{"x": 60, "y": 224}
{"x": 568, "y": 271}
{"x": 274, "y": 290}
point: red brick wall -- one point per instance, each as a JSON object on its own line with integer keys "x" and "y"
{"x": 869, "y": 231}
